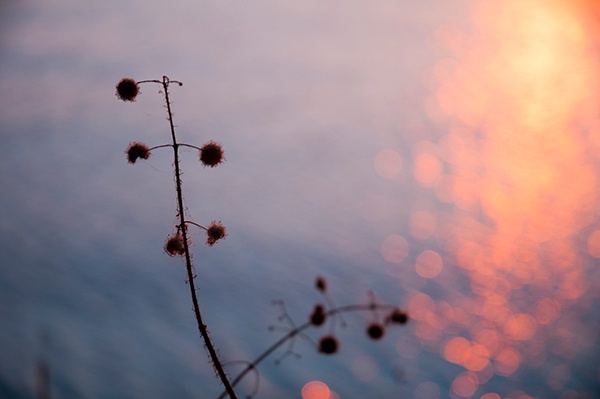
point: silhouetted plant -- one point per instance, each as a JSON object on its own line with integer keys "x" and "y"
{"x": 178, "y": 244}
{"x": 328, "y": 344}
{"x": 211, "y": 154}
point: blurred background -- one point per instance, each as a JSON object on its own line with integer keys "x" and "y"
{"x": 441, "y": 155}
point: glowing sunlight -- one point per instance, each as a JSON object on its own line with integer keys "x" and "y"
{"x": 520, "y": 94}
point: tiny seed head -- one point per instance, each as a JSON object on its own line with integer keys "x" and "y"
{"x": 211, "y": 154}
{"x": 318, "y": 316}
{"x": 137, "y": 150}
{"x": 328, "y": 345}
{"x": 375, "y": 331}
{"x": 397, "y": 317}
{"x": 321, "y": 284}
{"x": 215, "y": 232}
{"x": 127, "y": 89}
{"x": 174, "y": 245}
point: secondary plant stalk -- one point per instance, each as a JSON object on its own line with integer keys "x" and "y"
{"x": 294, "y": 332}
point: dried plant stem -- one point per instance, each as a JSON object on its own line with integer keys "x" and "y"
{"x": 211, "y": 154}
{"x": 218, "y": 365}
{"x": 160, "y": 146}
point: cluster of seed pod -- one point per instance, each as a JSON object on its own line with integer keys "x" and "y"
{"x": 211, "y": 154}
{"x": 328, "y": 344}
{"x": 214, "y": 232}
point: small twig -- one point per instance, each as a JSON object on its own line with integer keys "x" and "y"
{"x": 292, "y": 334}
{"x": 191, "y": 146}
{"x": 195, "y": 224}
{"x": 160, "y": 146}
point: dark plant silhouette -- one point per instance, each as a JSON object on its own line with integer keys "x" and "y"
{"x": 178, "y": 244}
{"x": 211, "y": 154}
{"x": 328, "y": 344}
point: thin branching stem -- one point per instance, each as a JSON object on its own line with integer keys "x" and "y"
{"x": 294, "y": 332}
{"x": 171, "y": 145}
{"x": 160, "y": 146}
{"x": 188, "y": 259}
{"x": 191, "y": 146}
{"x": 195, "y": 224}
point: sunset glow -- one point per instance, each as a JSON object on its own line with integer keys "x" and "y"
{"x": 519, "y": 165}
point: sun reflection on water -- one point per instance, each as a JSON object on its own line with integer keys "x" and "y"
{"x": 519, "y": 165}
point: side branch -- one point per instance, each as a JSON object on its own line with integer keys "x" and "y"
{"x": 294, "y": 332}
{"x": 160, "y": 146}
{"x": 191, "y": 146}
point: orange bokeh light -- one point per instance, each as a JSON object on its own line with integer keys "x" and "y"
{"x": 547, "y": 310}
{"x": 519, "y": 162}
{"x": 476, "y": 358}
{"x": 491, "y": 395}
{"x": 315, "y": 390}
{"x": 419, "y": 304}
{"x": 490, "y": 338}
{"x": 520, "y": 327}
{"x": 429, "y": 264}
{"x": 455, "y": 349}
{"x": 465, "y": 384}
{"x": 507, "y": 361}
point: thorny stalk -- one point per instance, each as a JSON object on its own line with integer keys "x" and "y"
{"x": 218, "y": 365}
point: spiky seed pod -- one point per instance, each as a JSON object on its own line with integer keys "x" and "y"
{"x": 397, "y": 317}
{"x": 137, "y": 150}
{"x": 328, "y": 345}
{"x": 215, "y": 232}
{"x": 318, "y": 316}
{"x": 375, "y": 331}
{"x": 127, "y": 89}
{"x": 321, "y": 284}
{"x": 174, "y": 245}
{"x": 211, "y": 154}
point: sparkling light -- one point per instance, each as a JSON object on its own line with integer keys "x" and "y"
{"x": 519, "y": 163}
{"x": 315, "y": 390}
